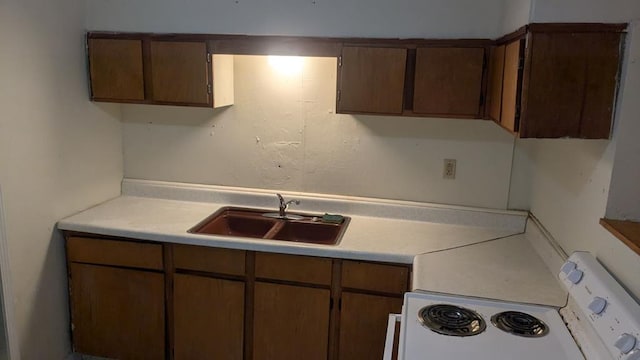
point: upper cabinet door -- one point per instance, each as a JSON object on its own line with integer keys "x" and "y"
{"x": 496, "y": 74}
{"x": 511, "y": 86}
{"x": 115, "y": 67}
{"x": 372, "y": 80}
{"x": 180, "y": 73}
{"x": 448, "y": 81}
{"x": 570, "y": 84}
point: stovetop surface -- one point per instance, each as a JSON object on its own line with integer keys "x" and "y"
{"x": 419, "y": 342}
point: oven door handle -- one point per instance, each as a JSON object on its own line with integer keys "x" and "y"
{"x": 391, "y": 335}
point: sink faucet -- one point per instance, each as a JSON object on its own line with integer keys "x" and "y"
{"x": 285, "y": 204}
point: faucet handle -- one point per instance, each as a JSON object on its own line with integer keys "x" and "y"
{"x": 293, "y": 201}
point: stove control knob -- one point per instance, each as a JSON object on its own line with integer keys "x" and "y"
{"x": 634, "y": 355}
{"x": 575, "y": 276}
{"x": 597, "y": 305}
{"x": 625, "y": 343}
{"x": 568, "y": 267}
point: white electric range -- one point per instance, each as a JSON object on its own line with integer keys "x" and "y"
{"x": 601, "y": 321}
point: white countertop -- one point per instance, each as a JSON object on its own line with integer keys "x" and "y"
{"x": 507, "y": 269}
{"x": 366, "y": 237}
{"x": 442, "y": 239}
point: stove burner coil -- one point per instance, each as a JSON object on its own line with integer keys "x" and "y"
{"x": 451, "y": 320}
{"x": 521, "y": 324}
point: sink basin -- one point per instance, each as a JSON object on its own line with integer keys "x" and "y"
{"x": 259, "y": 224}
{"x": 235, "y": 223}
{"x": 310, "y": 232}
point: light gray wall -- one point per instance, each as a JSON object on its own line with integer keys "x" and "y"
{"x": 367, "y": 18}
{"x": 282, "y": 133}
{"x": 59, "y": 153}
{"x": 304, "y": 146}
{"x": 566, "y": 183}
{"x": 516, "y": 14}
{"x": 584, "y": 10}
{"x": 5, "y": 288}
{"x": 624, "y": 195}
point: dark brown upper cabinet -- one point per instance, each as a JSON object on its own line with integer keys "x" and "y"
{"x": 543, "y": 81}
{"x": 435, "y": 78}
{"x": 116, "y": 71}
{"x": 137, "y": 68}
{"x": 448, "y": 81}
{"x": 371, "y": 80}
{"x": 179, "y": 72}
{"x": 557, "y": 80}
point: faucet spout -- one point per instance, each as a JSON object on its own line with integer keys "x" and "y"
{"x": 283, "y": 205}
{"x": 282, "y": 211}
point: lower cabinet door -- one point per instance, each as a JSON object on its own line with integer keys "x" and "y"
{"x": 290, "y": 322}
{"x": 117, "y": 313}
{"x": 363, "y": 325}
{"x": 208, "y": 317}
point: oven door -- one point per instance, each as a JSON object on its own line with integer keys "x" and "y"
{"x": 392, "y": 340}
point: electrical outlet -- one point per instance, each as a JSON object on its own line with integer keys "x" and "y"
{"x": 449, "y": 171}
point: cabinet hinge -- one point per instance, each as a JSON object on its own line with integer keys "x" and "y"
{"x": 330, "y": 303}
{"x": 340, "y": 61}
{"x": 209, "y": 89}
{"x": 209, "y": 58}
{"x": 481, "y": 99}
{"x": 340, "y": 304}
{"x": 338, "y": 96}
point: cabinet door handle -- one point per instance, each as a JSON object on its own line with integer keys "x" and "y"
{"x": 391, "y": 334}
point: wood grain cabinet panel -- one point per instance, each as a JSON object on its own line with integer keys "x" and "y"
{"x": 511, "y": 86}
{"x": 117, "y": 313}
{"x": 180, "y": 72}
{"x": 303, "y": 269}
{"x": 391, "y": 279}
{"x": 116, "y": 69}
{"x": 114, "y": 252}
{"x": 372, "y": 80}
{"x": 557, "y": 81}
{"x": 290, "y": 322}
{"x": 209, "y": 259}
{"x": 571, "y": 83}
{"x": 163, "y": 70}
{"x": 363, "y": 325}
{"x": 208, "y": 318}
{"x": 258, "y": 305}
{"x": 601, "y": 84}
{"x": 496, "y": 76}
{"x": 448, "y": 81}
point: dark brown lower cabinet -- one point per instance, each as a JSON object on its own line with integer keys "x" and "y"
{"x": 143, "y": 300}
{"x": 363, "y": 324}
{"x": 290, "y": 322}
{"x": 117, "y": 313}
{"x": 208, "y": 318}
